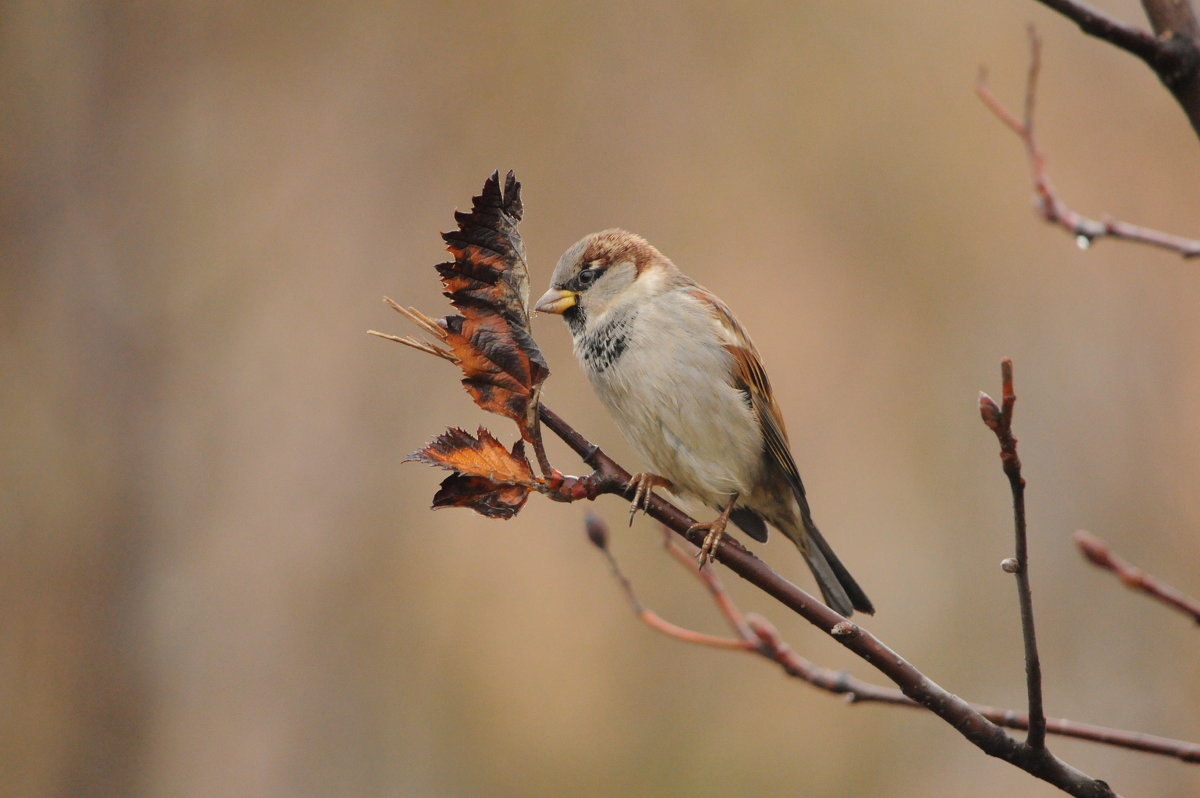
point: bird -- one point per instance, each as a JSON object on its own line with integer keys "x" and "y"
{"x": 687, "y": 388}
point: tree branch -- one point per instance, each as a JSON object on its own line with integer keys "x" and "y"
{"x": 1112, "y": 30}
{"x": 610, "y": 477}
{"x": 1098, "y": 554}
{"x": 755, "y": 634}
{"x": 999, "y": 420}
{"x": 1049, "y": 206}
{"x": 1173, "y": 52}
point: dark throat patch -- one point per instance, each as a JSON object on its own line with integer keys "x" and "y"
{"x": 575, "y": 318}
{"x": 602, "y": 347}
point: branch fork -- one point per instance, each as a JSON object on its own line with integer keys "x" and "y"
{"x": 1050, "y": 207}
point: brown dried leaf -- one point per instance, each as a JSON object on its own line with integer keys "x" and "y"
{"x": 485, "y": 497}
{"x": 484, "y": 456}
{"x": 487, "y": 478}
{"x": 489, "y": 267}
{"x": 489, "y": 283}
{"x": 497, "y": 371}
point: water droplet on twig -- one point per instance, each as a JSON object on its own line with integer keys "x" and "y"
{"x": 1083, "y": 241}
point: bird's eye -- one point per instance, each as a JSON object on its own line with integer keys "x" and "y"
{"x": 588, "y": 276}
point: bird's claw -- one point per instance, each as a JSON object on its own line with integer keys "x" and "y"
{"x": 716, "y": 534}
{"x": 712, "y": 540}
{"x": 643, "y": 484}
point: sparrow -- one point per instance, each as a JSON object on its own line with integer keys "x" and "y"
{"x": 687, "y": 388}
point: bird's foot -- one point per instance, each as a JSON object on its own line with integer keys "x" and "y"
{"x": 643, "y": 484}
{"x": 716, "y": 532}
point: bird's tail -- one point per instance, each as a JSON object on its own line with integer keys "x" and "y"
{"x": 838, "y": 588}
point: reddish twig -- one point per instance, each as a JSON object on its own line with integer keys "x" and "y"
{"x": 1097, "y": 552}
{"x": 755, "y": 634}
{"x": 1049, "y": 206}
{"x": 717, "y": 590}
{"x": 999, "y": 420}
{"x": 610, "y": 477}
{"x": 598, "y": 535}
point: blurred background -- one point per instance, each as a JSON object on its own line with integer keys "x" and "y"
{"x": 219, "y": 579}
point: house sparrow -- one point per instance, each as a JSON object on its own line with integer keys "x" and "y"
{"x": 686, "y": 387}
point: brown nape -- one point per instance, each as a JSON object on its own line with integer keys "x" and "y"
{"x": 618, "y": 246}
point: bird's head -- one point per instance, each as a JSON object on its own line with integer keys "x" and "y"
{"x": 602, "y": 272}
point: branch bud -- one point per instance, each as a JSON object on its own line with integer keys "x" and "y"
{"x": 990, "y": 412}
{"x": 597, "y": 531}
{"x": 844, "y": 629}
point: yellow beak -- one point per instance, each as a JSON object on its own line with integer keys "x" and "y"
{"x": 556, "y": 301}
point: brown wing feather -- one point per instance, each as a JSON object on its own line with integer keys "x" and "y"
{"x": 749, "y": 376}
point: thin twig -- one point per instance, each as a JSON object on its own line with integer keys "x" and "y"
{"x": 599, "y": 536}
{"x": 999, "y": 420}
{"x": 534, "y": 425}
{"x": 1097, "y": 552}
{"x": 426, "y": 323}
{"x": 1049, "y": 206}
{"x": 715, "y": 589}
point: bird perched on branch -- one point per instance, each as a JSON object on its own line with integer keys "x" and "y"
{"x": 686, "y": 387}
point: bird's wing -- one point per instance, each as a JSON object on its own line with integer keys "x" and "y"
{"x": 750, "y": 378}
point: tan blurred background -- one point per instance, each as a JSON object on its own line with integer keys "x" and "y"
{"x": 217, "y": 578}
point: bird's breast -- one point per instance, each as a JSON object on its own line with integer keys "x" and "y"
{"x": 665, "y": 379}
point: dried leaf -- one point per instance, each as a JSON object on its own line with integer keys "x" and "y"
{"x": 489, "y": 267}
{"x": 487, "y": 478}
{"x": 503, "y": 370}
{"x": 497, "y": 371}
{"x": 484, "y": 456}
{"x": 485, "y": 497}
{"x": 489, "y": 284}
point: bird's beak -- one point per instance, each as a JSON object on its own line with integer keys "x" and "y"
{"x": 556, "y": 301}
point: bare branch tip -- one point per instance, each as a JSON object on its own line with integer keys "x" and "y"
{"x": 1035, "y": 50}
{"x": 1092, "y": 547}
{"x": 1006, "y": 381}
{"x": 597, "y": 530}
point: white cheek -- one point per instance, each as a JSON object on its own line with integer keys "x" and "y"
{"x": 619, "y": 289}
{"x": 649, "y": 283}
